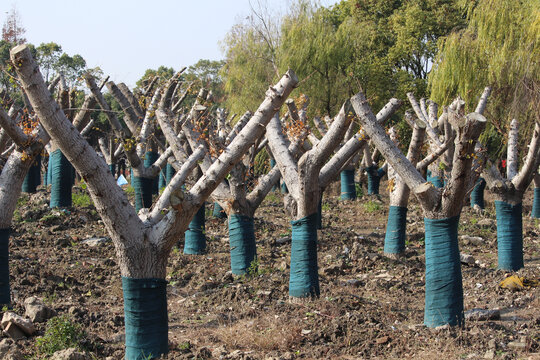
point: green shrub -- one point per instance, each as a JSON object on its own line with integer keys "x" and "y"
{"x": 61, "y": 333}
{"x": 81, "y": 200}
{"x": 372, "y": 206}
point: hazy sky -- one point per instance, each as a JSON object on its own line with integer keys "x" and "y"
{"x": 125, "y": 38}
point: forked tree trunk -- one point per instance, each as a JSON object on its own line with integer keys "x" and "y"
{"x": 508, "y": 193}
{"x": 142, "y": 243}
{"x": 444, "y": 290}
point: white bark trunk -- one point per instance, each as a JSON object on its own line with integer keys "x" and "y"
{"x": 512, "y": 151}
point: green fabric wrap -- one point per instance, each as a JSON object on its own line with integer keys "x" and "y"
{"x": 509, "y": 235}
{"x": 195, "y": 240}
{"x": 444, "y": 288}
{"x": 396, "y": 228}
{"x": 145, "y": 316}
{"x": 477, "y": 194}
{"x": 348, "y": 187}
{"x": 169, "y": 173}
{"x": 272, "y": 164}
{"x": 319, "y": 214}
{"x": 112, "y": 168}
{"x": 242, "y": 243}
{"x": 219, "y": 212}
{"x": 149, "y": 158}
{"x": 49, "y": 171}
{"x": 535, "y": 213}
{"x": 435, "y": 180}
{"x": 143, "y": 192}
{"x": 374, "y": 176}
{"x": 284, "y": 189}
{"x": 61, "y": 180}
{"x": 5, "y": 298}
{"x": 304, "y": 277}
{"x": 33, "y": 177}
{"x": 162, "y": 181}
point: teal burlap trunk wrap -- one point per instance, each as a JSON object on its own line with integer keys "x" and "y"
{"x": 149, "y": 158}
{"x": 272, "y": 164}
{"x": 169, "y": 173}
{"x": 477, "y": 194}
{"x": 219, "y": 212}
{"x": 535, "y": 213}
{"x": 435, "y": 180}
{"x": 396, "y": 227}
{"x": 284, "y": 189}
{"x": 33, "y": 177}
{"x": 374, "y": 176}
{"x": 143, "y": 192}
{"x": 319, "y": 215}
{"x": 304, "y": 277}
{"x": 195, "y": 240}
{"x": 162, "y": 182}
{"x": 348, "y": 188}
{"x": 5, "y": 298}
{"x": 145, "y": 316}
{"x": 61, "y": 180}
{"x": 112, "y": 168}
{"x": 242, "y": 243}
{"x": 509, "y": 235}
{"x": 444, "y": 288}
{"x": 49, "y": 171}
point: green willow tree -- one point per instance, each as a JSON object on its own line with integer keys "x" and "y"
{"x": 499, "y": 48}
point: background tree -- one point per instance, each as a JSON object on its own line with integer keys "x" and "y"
{"x": 12, "y": 30}
{"x": 48, "y": 55}
{"x": 500, "y": 48}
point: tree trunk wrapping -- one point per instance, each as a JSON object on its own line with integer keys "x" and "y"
{"x": 396, "y": 228}
{"x": 150, "y": 158}
{"x": 145, "y": 314}
{"x": 304, "y": 277}
{"x": 509, "y": 235}
{"x": 162, "y": 181}
{"x": 5, "y": 294}
{"x": 61, "y": 180}
{"x": 112, "y": 168}
{"x": 444, "y": 289}
{"x": 195, "y": 240}
{"x": 535, "y": 213}
{"x": 435, "y": 180}
{"x": 33, "y": 177}
{"x": 348, "y": 187}
{"x": 374, "y": 176}
{"x": 143, "y": 192}
{"x": 219, "y": 212}
{"x": 46, "y": 174}
{"x": 319, "y": 213}
{"x": 284, "y": 189}
{"x": 272, "y": 164}
{"x": 477, "y": 194}
{"x": 49, "y": 171}
{"x": 242, "y": 243}
{"x": 169, "y": 173}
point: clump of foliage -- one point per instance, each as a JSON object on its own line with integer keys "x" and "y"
{"x": 62, "y": 333}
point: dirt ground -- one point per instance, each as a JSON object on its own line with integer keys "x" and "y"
{"x": 371, "y": 307}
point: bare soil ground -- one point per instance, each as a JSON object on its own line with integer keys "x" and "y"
{"x": 370, "y": 306}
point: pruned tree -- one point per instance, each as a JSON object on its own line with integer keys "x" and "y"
{"x": 442, "y": 207}
{"x": 302, "y": 179}
{"x": 508, "y": 192}
{"x": 29, "y": 145}
{"x": 143, "y": 242}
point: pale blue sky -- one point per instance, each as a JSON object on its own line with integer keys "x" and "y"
{"x": 125, "y": 38}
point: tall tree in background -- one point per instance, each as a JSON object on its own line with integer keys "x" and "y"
{"x": 48, "y": 55}
{"x": 12, "y": 30}
{"x": 501, "y": 48}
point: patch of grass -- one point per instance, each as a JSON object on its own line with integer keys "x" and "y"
{"x": 371, "y": 206}
{"x": 129, "y": 190}
{"x": 81, "y": 200}
{"x": 359, "y": 190}
{"x": 325, "y": 207}
{"x": 272, "y": 197}
{"x": 61, "y": 333}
